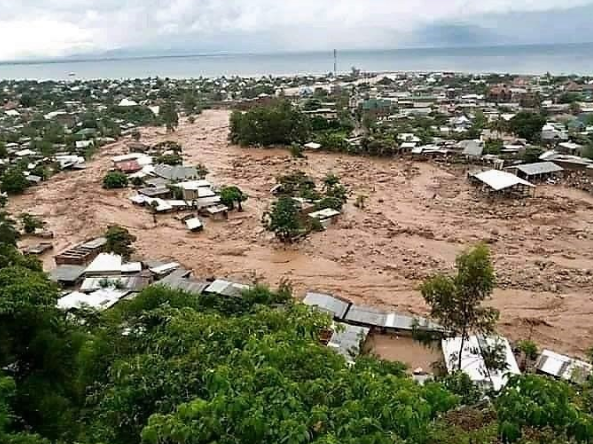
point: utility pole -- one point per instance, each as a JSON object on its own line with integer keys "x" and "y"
{"x": 335, "y": 63}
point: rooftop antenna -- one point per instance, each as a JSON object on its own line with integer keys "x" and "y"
{"x": 335, "y": 63}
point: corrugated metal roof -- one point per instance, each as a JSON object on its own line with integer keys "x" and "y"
{"x": 226, "y": 288}
{"x": 539, "y": 168}
{"x": 564, "y": 367}
{"x": 366, "y": 316}
{"x": 66, "y": 273}
{"x": 176, "y": 172}
{"x": 328, "y": 303}
{"x": 177, "y": 282}
{"x": 500, "y": 180}
{"x": 105, "y": 263}
{"x": 132, "y": 283}
{"x": 472, "y": 361}
{"x": 347, "y": 340}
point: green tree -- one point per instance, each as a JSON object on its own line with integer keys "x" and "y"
{"x": 30, "y": 223}
{"x": 456, "y": 302}
{"x": 528, "y": 125}
{"x": 119, "y": 241}
{"x": 171, "y": 159}
{"x": 14, "y": 181}
{"x": 201, "y": 170}
{"x": 231, "y": 195}
{"x": 529, "y": 352}
{"x": 190, "y": 103}
{"x": 115, "y": 179}
{"x": 3, "y": 150}
{"x": 284, "y": 219}
{"x": 531, "y": 154}
{"x": 278, "y": 123}
{"x": 169, "y": 115}
{"x": 9, "y": 235}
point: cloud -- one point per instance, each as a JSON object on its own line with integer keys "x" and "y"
{"x": 49, "y": 28}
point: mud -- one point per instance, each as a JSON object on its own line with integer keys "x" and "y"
{"x": 417, "y": 218}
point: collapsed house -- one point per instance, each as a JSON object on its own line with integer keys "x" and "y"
{"x": 563, "y": 367}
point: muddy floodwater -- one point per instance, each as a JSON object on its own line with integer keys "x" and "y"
{"x": 417, "y": 217}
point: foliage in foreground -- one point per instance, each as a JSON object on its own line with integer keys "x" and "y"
{"x": 174, "y": 368}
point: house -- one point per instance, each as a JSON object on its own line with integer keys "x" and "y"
{"x": 571, "y": 148}
{"x": 552, "y": 133}
{"x": 347, "y": 340}
{"x": 326, "y": 217}
{"x": 104, "y": 264}
{"x": 133, "y": 284}
{"x": 67, "y": 275}
{"x": 500, "y": 94}
{"x": 327, "y": 303}
{"x": 196, "y": 189}
{"x": 84, "y": 144}
{"x": 216, "y": 212}
{"x": 180, "y": 280}
{"x": 81, "y": 254}
{"x": 473, "y": 363}
{"x": 536, "y": 171}
{"x": 471, "y": 148}
{"x": 222, "y": 287}
{"x": 99, "y": 300}
{"x": 563, "y": 367}
{"x": 495, "y": 181}
{"x": 127, "y": 103}
{"x": 194, "y": 224}
{"x": 176, "y": 173}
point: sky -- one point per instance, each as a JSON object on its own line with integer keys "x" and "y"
{"x": 59, "y": 28}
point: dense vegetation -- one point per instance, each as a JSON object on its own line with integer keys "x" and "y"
{"x": 173, "y": 368}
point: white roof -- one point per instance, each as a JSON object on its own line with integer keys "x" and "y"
{"x": 326, "y": 213}
{"x": 563, "y": 367}
{"x": 138, "y": 199}
{"x": 500, "y": 180}
{"x": 193, "y": 223}
{"x": 127, "y": 102}
{"x": 99, "y": 300}
{"x": 408, "y": 145}
{"x": 83, "y": 143}
{"x": 165, "y": 268}
{"x": 162, "y": 205}
{"x": 570, "y": 145}
{"x": 472, "y": 361}
{"x": 131, "y": 267}
{"x": 141, "y": 158}
{"x": 105, "y": 263}
{"x": 24, "y": 153}
{"x": 12, "y": 113}
{"x": 54, "y": 114}
{"x": 313, "y": 146}
{"x": 155, "y": 109}
{"x": 194, "y": 185}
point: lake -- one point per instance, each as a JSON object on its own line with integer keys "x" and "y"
{"x": 532, "y": 59}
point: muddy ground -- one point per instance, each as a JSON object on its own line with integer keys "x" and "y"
{"x": 418, "y": 216}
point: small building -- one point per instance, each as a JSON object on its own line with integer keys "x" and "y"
{"x": 222, "y": 287}
{"x": 348, "y": 340}
{"x": 216, "y": 212}
{"x": 327, "y": 303}
{"x": 312, "y": 146}
{"x": 471, "y": 148}
{"x": 81, "y": 254}
{"x": 176, "y": 173}
{"x": 571, "y": 148}
{"x": 155, "y": 192}
{"x": 99, "y": 300}
{"x": 133, "y": 284}
{"x": 105, "y": 264}
{"x": 180, "y": 280}
{"x": 501, "y": 182}
{"x": 67, "y": 275}
{"x": 196, "y": 189}
{"x": 563, "y": 367}
{"x": 473, "y": 363}
{"x": 326, "y": 217}
{"x": 537, "y": 171}
{"x": 194, "y": 224}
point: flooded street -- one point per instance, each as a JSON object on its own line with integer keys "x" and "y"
{"x": 417, "y": 217}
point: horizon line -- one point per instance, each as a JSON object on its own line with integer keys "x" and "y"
{"x": 99, "y": 58}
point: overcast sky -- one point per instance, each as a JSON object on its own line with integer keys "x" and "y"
{"x": 53, "y": 28}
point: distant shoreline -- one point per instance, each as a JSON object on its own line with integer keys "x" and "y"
{"x": 433, "y": 49}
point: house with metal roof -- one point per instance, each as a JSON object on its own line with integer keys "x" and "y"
{"x": 563, "y": 367}
{"x": 536, "y": 171}
{"x": 502, "y": 182}
{"x": 222, "y": 287}
{"x": 347, "y": 340}
{"x": 176, "y": 172}
{"x": 330, "y": 304}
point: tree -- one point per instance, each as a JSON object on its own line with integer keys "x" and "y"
{"x": 3, "y": 150}
{"x": 115, "y": 179}
{"x": 529, "y": 352}
{"x": 171, "y": 159}
{"x": 168, "y": 145}
{"x": 119, "y": 241}
{"x": 278, "y": 123}
{"x": 169, "y": 116}
{"x": 30, "y": 223}
{"x": 527, "y": 125}
{"x": 283, "y": 219}
{"x": 190, "y": 103}
{"x": 153, "y": 209}
{"x": 230, "y": 195}
{"x": 456, "y": 302}
{"x": 296, "y": 151}
{"x": 9, "y": 235}
{"x": 493, "y": 146}
{"x": 531, "y": 154}
{"x": 14, "y": 181}
{"x": 201, "y": 170}
{"x": 136, "y": 135}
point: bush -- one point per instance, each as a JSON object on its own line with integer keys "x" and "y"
{"x": 171, "y": 159}
{"x": 119, "y": 241}
{"x": 115, "y": 179}
{"x": 30, "y": 223}
{"x": 14, "y": 181}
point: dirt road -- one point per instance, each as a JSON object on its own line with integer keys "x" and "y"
{"x": 418, "y": 216}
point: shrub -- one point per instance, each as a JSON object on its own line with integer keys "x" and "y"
{"x": 115, "y": 179}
